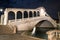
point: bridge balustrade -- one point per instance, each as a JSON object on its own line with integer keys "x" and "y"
{"x": 22, "y": 14}
{"x": 54, "y": 35}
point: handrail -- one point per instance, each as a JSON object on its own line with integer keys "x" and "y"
{"x": 53, "y": 34}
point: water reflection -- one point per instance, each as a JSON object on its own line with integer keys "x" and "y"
{"x": 41, "y": 35}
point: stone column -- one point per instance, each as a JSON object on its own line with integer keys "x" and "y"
{"x": 36, "y": 13}
{"x": 22, "y": 14}
{"x": 28, "y": 14}
{"x": 15, "y": 16}
{"x": 34, "y": 29}
{"x": 2, "y": 18}
{"x": 32, "y": 14}
{"x": 5, "y": 17}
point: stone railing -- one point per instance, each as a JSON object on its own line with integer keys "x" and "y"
{"x": 7, "y": 29}
{"x": 53, "y": 35}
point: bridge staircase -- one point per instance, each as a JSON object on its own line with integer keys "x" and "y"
{"x": 7, "y": 29}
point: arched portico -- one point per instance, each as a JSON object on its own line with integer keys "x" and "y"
{"x": 34, "y": 17}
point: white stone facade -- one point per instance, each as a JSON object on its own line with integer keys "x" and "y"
{"x": 27, "y": 23}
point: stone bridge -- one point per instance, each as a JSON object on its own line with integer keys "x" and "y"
{"x": 27, "y": 19}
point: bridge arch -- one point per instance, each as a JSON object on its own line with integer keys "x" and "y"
{"x": 11, "y": 15}
{"x": 44, "y": 23}
{"x": 30, "y": 14}
{"x": 25, "y": 14}
{"x": 19, "y": 15}
{"x": 42, "y": 26}
{"x": 35, "y": 13}
{"x": 48, "y": 19}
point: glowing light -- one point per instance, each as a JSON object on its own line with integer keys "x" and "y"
{"x": 42, "y": 10}
{"x": 1, "y": 10}
{"x": 33, "y": 32}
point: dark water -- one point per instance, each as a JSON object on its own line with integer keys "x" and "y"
{"x": 41, "y": 35}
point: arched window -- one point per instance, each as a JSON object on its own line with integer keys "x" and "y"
{"x": 38, "y": 13}
{"x": 30, "y": 14}
{"x": 11, "y": 15}
{"x": 34, "y": 13}
{"x": 25, "y": 14}
{"x": 19, "y": 15}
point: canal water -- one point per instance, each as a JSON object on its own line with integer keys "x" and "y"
{"x": 41, "y": 35}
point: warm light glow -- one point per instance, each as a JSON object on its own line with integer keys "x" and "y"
{"x": 34, "y": 29}
{"x": 1, "y": 10}
{"x": 42, "y": 11}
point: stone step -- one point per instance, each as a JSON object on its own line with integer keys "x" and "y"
{"x": 7, "y": 29}
{"x": 18, "y": 37}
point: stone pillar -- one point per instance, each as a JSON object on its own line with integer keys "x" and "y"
{"x": 56, "y": 35}
{"x": 36, "y": 13}
{"x": 51, "y": 35}
{"x": 32, "y": 14}
{"x": 22, "y": 14}
{"x": 28, "y": 14}
{"x": 34, "y": 29}
{"x": 5, "y": 17}
{"x": 2, "y": 18}
{"x": 15, "y": 16}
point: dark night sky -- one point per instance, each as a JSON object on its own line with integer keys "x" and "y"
{"x": 52, "y": 6}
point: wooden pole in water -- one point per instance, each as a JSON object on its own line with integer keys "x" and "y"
{"x": 59, "y": 16}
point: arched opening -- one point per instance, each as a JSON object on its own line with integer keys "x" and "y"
{"x": 25, "y": 14}
{"x": 34, "y": 13}
{"x": 30, "y": 14}
{"x": 11, "y": 15}
{"x": 41, "y": 29}
{"x": 44, "y": 26}
{"x": 19, "y": 15}
{"x": 38, "y": 13}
